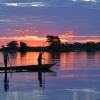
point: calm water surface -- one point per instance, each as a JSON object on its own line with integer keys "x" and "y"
{"x": 76, "y": 76}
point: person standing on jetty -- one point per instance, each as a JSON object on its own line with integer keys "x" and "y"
{"x": 40, "y": 58}
{"x": 5, "y": 55}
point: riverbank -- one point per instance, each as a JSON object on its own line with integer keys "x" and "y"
{"x": 75, "y": 47}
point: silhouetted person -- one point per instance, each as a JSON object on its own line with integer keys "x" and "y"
{"x": 6, "y": 57}
{"x": 40, "y": 78}
{"x": 40, "y": 58}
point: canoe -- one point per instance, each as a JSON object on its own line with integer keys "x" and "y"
{"x": 42, "y": 67}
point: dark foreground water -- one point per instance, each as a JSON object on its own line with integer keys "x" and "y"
{"x": 76, "y": 76}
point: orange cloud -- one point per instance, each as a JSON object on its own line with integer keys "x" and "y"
{"x": 30, "y": 40}
{"x": 71, "y": 38}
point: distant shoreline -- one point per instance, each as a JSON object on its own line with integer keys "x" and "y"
{"x": 68, "y": 48}
{"x": 54, "y": 45}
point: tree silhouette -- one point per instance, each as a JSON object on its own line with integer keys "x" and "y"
{"x": 90, "y": 46}
{"x": 23, "y": 47}
{"x": 98, "y": 46}
{"x": 54, "y": 42}
{"x": 13, "y": 45}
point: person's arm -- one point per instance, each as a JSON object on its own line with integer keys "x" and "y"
{"x": 42, "y": 53}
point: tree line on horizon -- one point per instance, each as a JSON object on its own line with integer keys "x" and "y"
{"x": 55, "y": 45}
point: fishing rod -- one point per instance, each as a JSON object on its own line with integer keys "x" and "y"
{"x": 44, "y": 55}
{"x": 10, "y": 66}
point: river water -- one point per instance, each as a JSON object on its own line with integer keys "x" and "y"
{"x": 76, "y": 76}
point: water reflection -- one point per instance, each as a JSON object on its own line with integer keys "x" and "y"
{"x": 40, "y": 78}
{"x": 23, "y": 59}
{"x": 6, "y": 83}
{"x": 55, "y": 55}
{"x": 65, "y": 60}
{"x": 14, "y": 58}
{"x": 41, "y": 75}
{"x": 77, "y": 78}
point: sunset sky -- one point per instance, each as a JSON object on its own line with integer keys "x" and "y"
{"x": 32, "y": 20}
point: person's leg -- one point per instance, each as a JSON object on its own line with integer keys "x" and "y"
{"x": 5, "y": 61}
{"x": 39, "y": 62}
